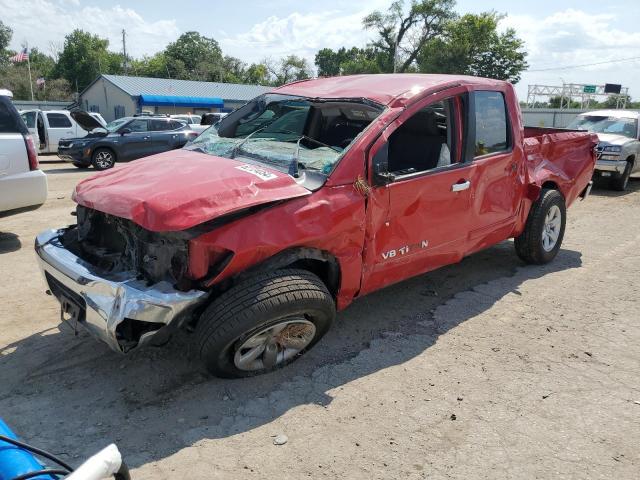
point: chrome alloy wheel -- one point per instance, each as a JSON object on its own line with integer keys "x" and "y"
{"x": 275, "y": 345}
{"x": 551, "y": 230}
{"x": 104, "y": 159}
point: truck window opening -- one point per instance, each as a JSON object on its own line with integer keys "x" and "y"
{"x": 424, "y": 141}
{"x": 491, "y": 123}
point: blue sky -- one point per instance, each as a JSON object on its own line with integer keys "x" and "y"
{"x": 556, "y": 33}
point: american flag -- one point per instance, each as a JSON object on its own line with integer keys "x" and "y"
{"x": 22, "y": 56}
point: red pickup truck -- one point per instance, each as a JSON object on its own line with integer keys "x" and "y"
{"x": 301, "y": 201}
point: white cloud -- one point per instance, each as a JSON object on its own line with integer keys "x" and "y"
{"x": 43, "y": 22}
{"x": 574, "y": 37}
{"x": 301, "y": 34}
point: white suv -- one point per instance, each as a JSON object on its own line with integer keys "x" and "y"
{"x": 22, "y": 184}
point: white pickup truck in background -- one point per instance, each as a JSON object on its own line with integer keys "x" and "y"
{"x": 619, "y": 148}
{"x": 48, "y": 127}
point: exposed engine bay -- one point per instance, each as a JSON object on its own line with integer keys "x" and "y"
{"x": 114, "y": 245}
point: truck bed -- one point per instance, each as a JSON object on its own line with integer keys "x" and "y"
{"x": 566, "y": 157}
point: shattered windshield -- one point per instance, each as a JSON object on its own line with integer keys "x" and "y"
{"x": 287, "y": 132}
{"x": 627, "y": 127}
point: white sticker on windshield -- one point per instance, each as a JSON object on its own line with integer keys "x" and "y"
{"x": 258, "y": 172}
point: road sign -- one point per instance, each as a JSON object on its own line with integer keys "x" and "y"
{"x": 589, "y": 89}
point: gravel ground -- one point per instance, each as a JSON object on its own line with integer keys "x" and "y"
{"x": 484, "y": 369}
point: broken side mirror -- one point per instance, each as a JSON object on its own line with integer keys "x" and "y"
{"x": 380, "y": 163}
{"x": 124, "y": 131}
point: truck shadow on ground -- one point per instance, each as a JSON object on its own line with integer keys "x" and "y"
{"x": 601, "y": 188}
{"x": 9, "y": 242}
{"x": 72, "y": 396}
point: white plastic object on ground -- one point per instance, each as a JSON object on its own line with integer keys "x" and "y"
{"x": 102, "y": 465}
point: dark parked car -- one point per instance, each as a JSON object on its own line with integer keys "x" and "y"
{"x": 122, "y": 140}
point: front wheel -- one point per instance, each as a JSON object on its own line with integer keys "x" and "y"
{"x": 103, "y": 159}
{"x": 542, "y": 237}
{"x": 264, "y": 323}
{"x": 620, "y": 182}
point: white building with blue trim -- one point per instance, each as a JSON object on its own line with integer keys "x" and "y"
{"x": 115, "y": 96}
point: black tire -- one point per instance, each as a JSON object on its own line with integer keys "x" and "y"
{"x": 620, "y": 182}
{"x": 103, "y": 158}
{"x": 256, "y": 304}
{"x": 80, "y": 165}
{"x": 529, "y": 245}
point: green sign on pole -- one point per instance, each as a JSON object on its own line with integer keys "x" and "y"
{"x": 589, "y": 89}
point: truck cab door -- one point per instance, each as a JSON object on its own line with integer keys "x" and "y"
{"x": 419, "y": 206}
{"x": 499, "y": 160}
{"x": 42, "y": 133}
{"x": 30, "y": 118}
{"x": 58, "y": 126}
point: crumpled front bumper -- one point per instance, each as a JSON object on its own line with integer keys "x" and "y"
{"x": 102, "y": 303}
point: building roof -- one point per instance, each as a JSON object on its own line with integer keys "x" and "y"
{"x": 136, "y": 86}
{"x": 380, "y": 88}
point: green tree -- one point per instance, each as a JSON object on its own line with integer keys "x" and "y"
{"x": 348, "y": 62}
{"x": 150, "y": 66}
{"x": 41, "y": 62}
{"x": 5, "y": 38}
{"x": 233, "y": 70}
{"x": 403, "y": 33}
{"x": 471, "y": 45}
{"x": 328, "y": 62}
{"x": 16, "y": 78}
{"x": 257, "y": 74}
{"x": 288, "y": 69}
{"x": 85, "y": 56}
{"x": 193, "y": 56}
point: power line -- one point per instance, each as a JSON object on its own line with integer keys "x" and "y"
{"x": 583, "y": 65}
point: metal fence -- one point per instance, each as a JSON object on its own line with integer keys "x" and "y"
{"x": 550, "y": 117}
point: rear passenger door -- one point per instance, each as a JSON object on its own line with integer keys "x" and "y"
{"x": 60, "y": 126}
{"x": 499, "y": 173}
{"x": 419, "y": 220}
{"x": 167, "y": 134}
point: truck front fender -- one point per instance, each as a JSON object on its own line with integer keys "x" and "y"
{"x": 320, "y": 262}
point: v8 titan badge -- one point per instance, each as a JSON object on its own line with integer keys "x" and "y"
{"x": 406, "y": 250}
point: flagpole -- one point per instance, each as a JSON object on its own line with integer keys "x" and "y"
{"x": 29, "y": 68}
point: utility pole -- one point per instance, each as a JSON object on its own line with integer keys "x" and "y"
{"x": 124, "y": 51}
{"x": 395, "y": 53}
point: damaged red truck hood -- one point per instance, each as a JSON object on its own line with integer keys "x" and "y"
{"x": 179, "y": 189}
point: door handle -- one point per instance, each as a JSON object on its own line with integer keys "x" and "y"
{"x": 146, "y": 138}
{"x": 460, "y": 186}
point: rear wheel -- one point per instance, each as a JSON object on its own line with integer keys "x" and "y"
{"x": 542, "y": 237}
{"x": 620, "y": 182}
{"x": 103, "y": 159}
{"x": 264, "y": 323}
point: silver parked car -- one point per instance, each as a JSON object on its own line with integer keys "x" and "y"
{"x": 619, "y": 147}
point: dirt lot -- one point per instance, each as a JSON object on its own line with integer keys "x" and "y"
{"x": 485, "y": 369}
